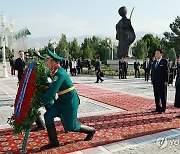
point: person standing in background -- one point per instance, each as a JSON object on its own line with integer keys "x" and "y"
{"x": 171, "y": 71}
{"x": 136, "y": 68}
{"x": 121, "y": 68}
{"x": 70, "y": 66}
{"x": 147, "y": 68}
{"x": 89, "y": 65}
{"x": 26, "y": 57}
{"x": 98, "y": 70}
{"x": 74, "y": 66}
{"x": 20, "y": 65}
{"x": 78, "y": 66}
{"x": 81, "y": 64}
{"x": 159, "y": 77}
{"x": 12, "y": 65}
{"x": 125, "y": 67}
{"x": 177, "y": 86}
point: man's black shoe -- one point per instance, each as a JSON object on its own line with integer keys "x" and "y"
{"x": 49, "y": 146}
{"x": 102, "y": 80}
{"x": 155, "y": 111}
{"x": 96, "y": 82}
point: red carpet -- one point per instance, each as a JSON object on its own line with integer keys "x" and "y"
{"x": 117, "y": 99}
{"x": 136, "y": 122}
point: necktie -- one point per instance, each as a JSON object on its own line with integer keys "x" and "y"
{"x": 157, "y": 62}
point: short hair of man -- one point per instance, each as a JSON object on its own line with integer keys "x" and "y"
{"x": 161, "y": 51}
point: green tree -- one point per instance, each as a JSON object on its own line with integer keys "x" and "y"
{"x": 165, "y": 46}
{"x": 95, "y": 44}
{"x": 172, "y": 55}
{"x": 173, "y": 37}
{"x": 8, "y": 53}
{"x": 105, "y": 50}
{"x": 87, "y": 53}
{"x": 74, "y": 49}
{"x": 62, "y": 47}
{"x": 87, "y": 49}
{"x": 152, "y": 43}
{"x": 140, "y": 49}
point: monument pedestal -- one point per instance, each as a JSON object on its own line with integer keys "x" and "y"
{"x": 114, "y": 64}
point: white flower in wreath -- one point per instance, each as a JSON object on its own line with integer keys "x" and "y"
{"x": 55, "y": 78}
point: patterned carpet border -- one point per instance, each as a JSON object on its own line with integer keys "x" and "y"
{"x": 136, "y": 121}
{"x": 117, "y": 99}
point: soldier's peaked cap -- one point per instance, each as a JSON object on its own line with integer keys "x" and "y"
{"x": 54, "y": 56}
{"x": 37, "y": 54}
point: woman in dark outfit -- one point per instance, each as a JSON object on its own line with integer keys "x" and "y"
{"x": 177, "y": 86}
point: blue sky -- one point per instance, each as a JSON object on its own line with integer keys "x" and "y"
{"x": 88, "y": 17}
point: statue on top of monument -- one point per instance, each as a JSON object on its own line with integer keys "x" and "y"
{"x": 124, "y": 33}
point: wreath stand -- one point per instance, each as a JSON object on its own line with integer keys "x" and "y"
{"x": 24, "y": 145}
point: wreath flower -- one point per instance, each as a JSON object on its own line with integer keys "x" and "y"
{"x": 29, "y": 97}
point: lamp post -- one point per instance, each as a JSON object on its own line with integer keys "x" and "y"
{"x": 54, "y": 44}
{"x": 110, "y": 41}
{"x": 3, "y": 21}
{"x": 11, "y": 30}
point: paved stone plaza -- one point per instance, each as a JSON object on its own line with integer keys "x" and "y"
{"x": 140, "y": 145}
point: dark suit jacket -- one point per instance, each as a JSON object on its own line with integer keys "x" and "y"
{"x": 125, "y": 65}
{"x": 136, "y": 65}
{"x": 177, "y": 83}
{"x": 19, "y": 64}
{"x": 149, "y": 66}
{"x": 121, "y": 65}
{"x": 98, "y": 66}
{"x": 160, "y": 74}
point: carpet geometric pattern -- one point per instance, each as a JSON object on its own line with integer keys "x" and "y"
{"x": 124, "y": 101}
{"x": 136, "y": 121}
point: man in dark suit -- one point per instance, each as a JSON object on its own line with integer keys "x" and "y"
{"x": 12, "y": 64}
{"x": 121, "y": 63}
{"x": 125, "y": 67}
{"x": 20, "y": 65}
{"x": 159, "y": 77}
{"x": 136, "y": 68}
{"x": 98, "y": 70}
{"x": 147, "y": 68}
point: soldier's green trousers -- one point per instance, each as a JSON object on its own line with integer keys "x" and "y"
{"x": 69, "y": 116}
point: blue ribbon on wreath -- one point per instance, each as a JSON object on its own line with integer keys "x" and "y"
{"x": 23, "y": 90}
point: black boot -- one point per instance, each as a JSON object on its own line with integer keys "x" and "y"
{"x": 40, "y": 125}
{"x": 51, "y": 130}
{"x": 90, "y": 131}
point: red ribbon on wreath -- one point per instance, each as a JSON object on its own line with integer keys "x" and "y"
{"x": 29, "y": 93}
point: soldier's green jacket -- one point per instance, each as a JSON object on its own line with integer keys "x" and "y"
{"x": 66, "y": 105}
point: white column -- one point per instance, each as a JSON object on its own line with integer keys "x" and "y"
{"x": 5, "y": 74}
{"x": 112, "y": 50}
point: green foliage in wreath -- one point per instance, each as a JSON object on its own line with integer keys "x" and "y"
{"x": 41, "y": 72}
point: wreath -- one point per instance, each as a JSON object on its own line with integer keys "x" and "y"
{"x": 29, "y": 97}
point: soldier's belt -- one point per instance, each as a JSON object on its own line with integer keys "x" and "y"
{"x": 65, "y": 91}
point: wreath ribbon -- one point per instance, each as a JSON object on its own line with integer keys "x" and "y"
{"x": 23, "y": 90}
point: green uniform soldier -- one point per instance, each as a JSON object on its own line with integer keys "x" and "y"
{"x": 65, "y": 106}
